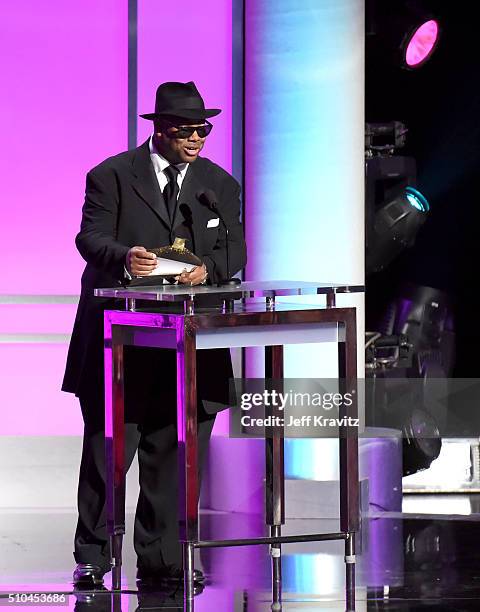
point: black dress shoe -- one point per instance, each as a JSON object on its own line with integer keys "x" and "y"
{"x": 88, "y": 574}
{"x": 170, "y": 574}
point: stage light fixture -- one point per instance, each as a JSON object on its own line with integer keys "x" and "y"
{"x": 419, "y": 44}
{"x": 395, "y": 209}
{"x": 402, "y": 32}
{"x": 395, "y": 226}
{"x": 421, "y": 442}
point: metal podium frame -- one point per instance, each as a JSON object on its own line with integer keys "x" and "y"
{"x": 270, "y": 324}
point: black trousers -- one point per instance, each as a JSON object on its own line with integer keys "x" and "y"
{"x": 150, "y": 427}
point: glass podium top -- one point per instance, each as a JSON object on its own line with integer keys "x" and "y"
{"x": 248, "y": 289}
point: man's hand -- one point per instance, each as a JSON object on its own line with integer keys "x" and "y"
{"x": 196, "y": 277}
{"x": 140, "y": 262}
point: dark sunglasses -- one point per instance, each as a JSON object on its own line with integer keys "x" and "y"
{"x": 185, "y": 131}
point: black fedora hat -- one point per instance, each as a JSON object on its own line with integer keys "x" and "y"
{"x": 180, "y": 100}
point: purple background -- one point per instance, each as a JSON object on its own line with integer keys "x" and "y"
{"x": 63, "y": 109}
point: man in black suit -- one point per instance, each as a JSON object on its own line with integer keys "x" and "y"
{"x": 135, "y": 201}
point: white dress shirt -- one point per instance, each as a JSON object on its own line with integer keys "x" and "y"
{"x": 159, "y": 165}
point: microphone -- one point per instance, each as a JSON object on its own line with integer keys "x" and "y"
{"x": 210, "y": 200}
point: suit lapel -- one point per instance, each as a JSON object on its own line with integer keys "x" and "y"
{"x": 146, "y": 185}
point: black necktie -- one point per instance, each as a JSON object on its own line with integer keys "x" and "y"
{"x": 170, "y": 193}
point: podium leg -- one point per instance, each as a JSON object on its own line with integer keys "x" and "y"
{"x": 187, "y": 450}
{"x": 189, "y": 586}
{"x": 350, "y": 572}
{"x": 114, "y": 447}
{"x": 348, "y": 448}
{"x": 115, "y": 602}
{"x": 275, "y": 475}
{"x": 348, "y": 434}
{"x": 116, "y": 548}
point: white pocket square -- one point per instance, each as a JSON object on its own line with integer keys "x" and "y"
{"x": 213, "y": 222}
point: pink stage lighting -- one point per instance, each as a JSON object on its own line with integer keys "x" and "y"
{"x": 421, "y": 44}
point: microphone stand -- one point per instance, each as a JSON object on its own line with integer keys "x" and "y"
{"x": 229, "y": 281}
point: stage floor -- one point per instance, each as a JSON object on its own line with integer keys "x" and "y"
{"x": 405, "y": 562}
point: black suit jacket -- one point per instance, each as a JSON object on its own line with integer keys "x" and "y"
{"x": 124, "y": 207}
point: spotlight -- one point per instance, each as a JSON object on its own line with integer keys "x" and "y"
{"x": 395, "y": 210}
{"x": 402, "y": 32}
{"x": 394, "y": 400}
{"x": 419, "y": 45}
{"x": 421, "y": 442}
{"x": 395, "y": 228}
